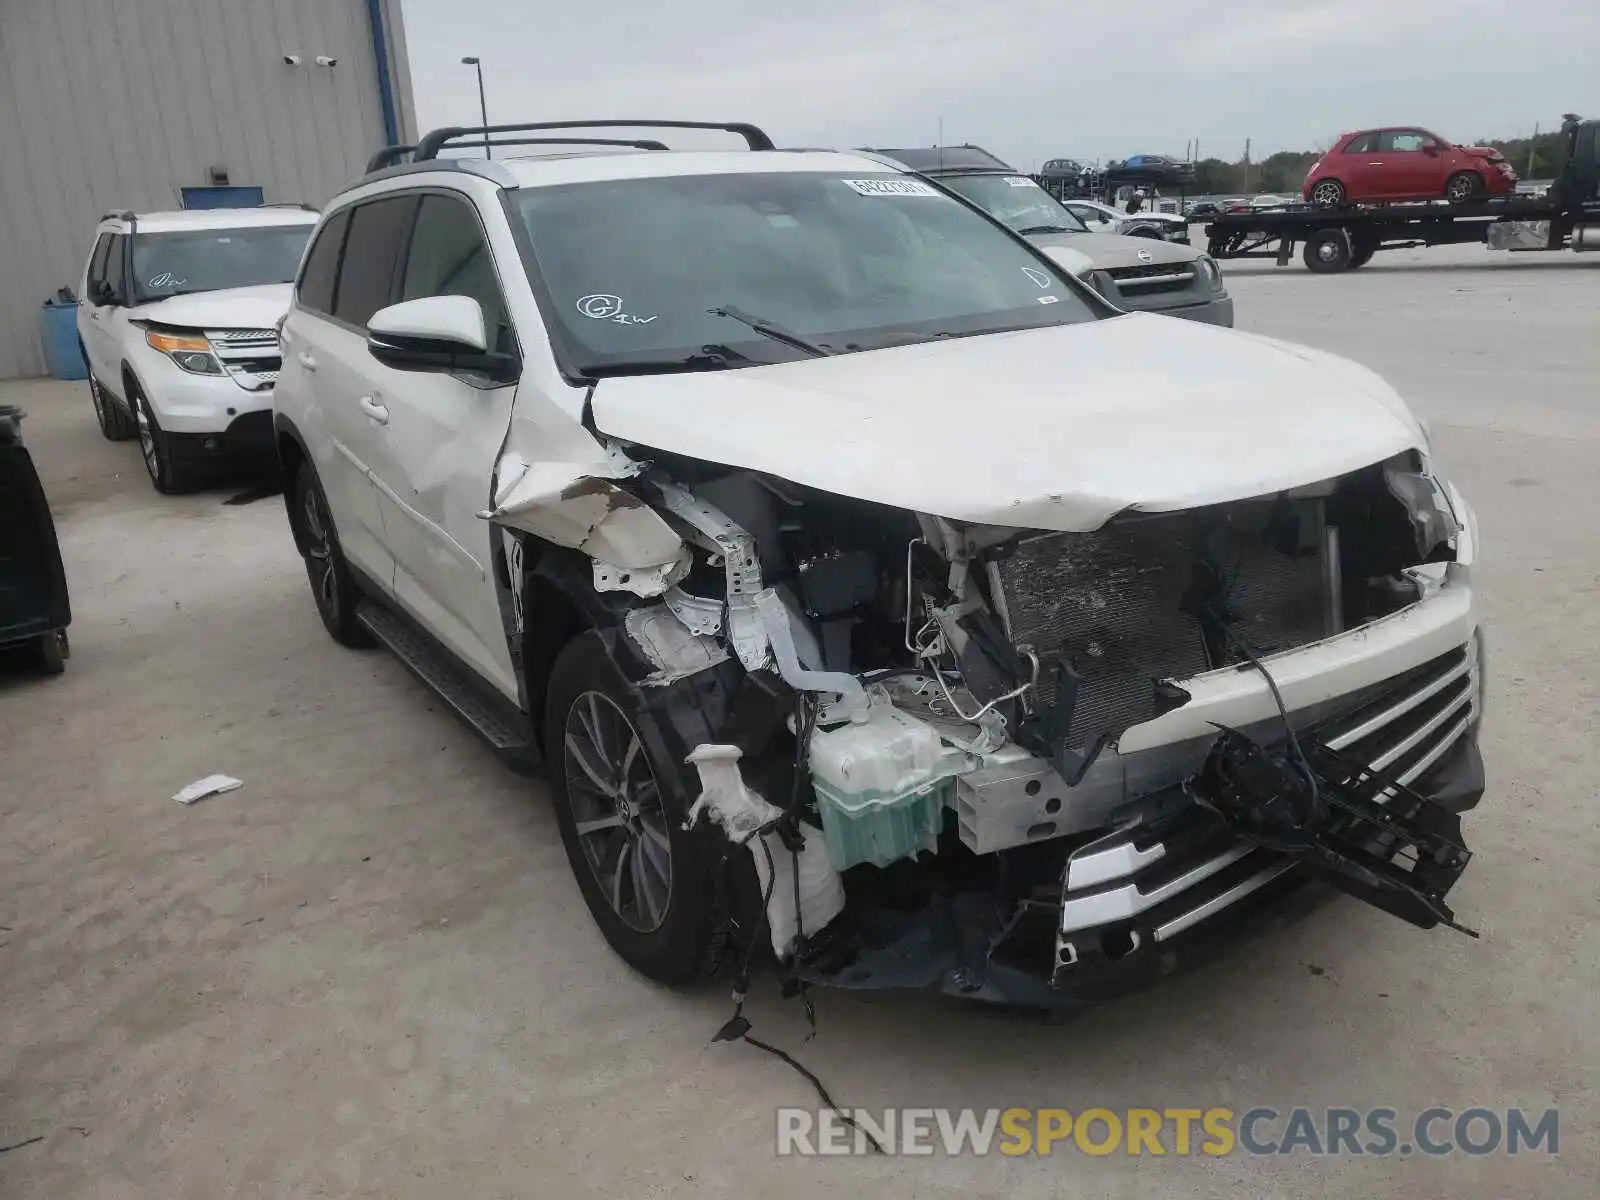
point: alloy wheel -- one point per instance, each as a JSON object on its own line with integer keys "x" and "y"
{"x": 1328, "y": 193}
{"x": 617, "y": 811}
{"x": 319, "y": 555}
{"x": 147, "y": 439}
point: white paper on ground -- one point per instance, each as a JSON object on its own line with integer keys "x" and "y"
{"x": 211, "y": 785}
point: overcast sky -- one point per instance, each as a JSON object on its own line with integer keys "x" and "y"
{"x": 1028, "y": 79}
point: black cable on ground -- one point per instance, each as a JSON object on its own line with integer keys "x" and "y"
{"x": 737, "y": 1027}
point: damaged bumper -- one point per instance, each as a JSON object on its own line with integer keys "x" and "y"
{"x": 1139, "y": 906}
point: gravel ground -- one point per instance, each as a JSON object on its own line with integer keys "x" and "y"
{"x": 369, "y": 971}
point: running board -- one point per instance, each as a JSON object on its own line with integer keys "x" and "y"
{"x": 501, "y": 724}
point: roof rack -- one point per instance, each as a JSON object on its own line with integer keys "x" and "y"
{"x": 292, "y": 204}
{"x": 387, "y": 157}
{"x": 429, "y": 147}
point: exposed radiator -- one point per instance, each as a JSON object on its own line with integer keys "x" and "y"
{"x": 1112, "y": 603}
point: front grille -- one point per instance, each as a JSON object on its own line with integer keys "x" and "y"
{"x": 1405, "y": 725}
{"x": 1112, "y": 604}
{"x": 251, "y": 356}
{"x": 1153, "y": 280}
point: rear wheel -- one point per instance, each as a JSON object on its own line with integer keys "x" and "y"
{"x": 1328, "y": 251}
{"x": 643, "y": 876}
{"x": 332, "y": 585}
{"x": 115, "y": 423}
{"x": 1328, "y": 193}
{"x": 1362, "y": 256}
{"x": 1463, "y": 186}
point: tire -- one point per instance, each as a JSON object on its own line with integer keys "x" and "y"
{"x": 1328, "y": 193}
{"x": 1362, "y": 256}
{"x": 333, "y": 588}
{"x": 53, "y": 651}
{"x": 1327, "y": 252}
{"x": 169, "y": 476}
{"x": 115, "y": 423}
{"x": 643, "y": 876}
{"x": 1463, "y": 186}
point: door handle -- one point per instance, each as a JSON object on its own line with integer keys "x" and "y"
{"x": 1374, "y": 164}
{"x": 374, "y": 410}
{"x": 307, "y": 360}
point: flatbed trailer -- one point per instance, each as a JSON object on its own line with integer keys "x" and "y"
{"x": 1347, "y": 237}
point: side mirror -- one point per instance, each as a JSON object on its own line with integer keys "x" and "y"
{"x": 1431, "y": 148}
{"x": 100, "y": 293}
{"x": 437, "y": 333}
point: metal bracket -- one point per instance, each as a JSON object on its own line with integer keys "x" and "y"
{"x": 740, "y": 564}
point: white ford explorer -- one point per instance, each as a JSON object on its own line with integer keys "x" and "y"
{"x": 866, "y": 585}
{"x": 178, "y": 323}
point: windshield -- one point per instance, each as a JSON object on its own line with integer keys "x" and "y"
{"x": 205, "y": 260}
{"x": 795, "y": 264}
{"x": 1018, "y": 201}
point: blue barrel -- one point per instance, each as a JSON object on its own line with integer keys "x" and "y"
{"x": 58, "y": 334}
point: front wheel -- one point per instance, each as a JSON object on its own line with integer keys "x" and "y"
{"x": 643, "y": 876}
{"x": 168, "y": 474}
{"x": 332, "y": 586}
{"x": 1463, "y": 186}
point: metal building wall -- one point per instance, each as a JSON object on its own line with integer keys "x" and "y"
{"x": 110, "y": 104}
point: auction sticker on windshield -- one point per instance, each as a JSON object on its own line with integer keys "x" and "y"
{"x": 891, "y": 187}
{"x": 1019, "y": 181}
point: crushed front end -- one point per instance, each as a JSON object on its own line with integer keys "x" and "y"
{"x": 1021, "y": 765}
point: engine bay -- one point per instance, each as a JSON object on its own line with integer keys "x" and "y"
{"x": 943, "y": 704}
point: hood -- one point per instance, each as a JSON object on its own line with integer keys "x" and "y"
{"x": 1111, "y": 251}
{"x": 1058, "y": 428}
{"x": 1488, "y": 152}
{"x": 231, "y": 308}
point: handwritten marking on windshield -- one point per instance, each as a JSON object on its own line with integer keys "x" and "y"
{"x": 1037, "y": 276}
{"x": 603, "y": 306}
{"x": 166, "y": 279}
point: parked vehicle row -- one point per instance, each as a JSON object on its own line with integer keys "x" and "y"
{"x": 806, "y": 523}
{"x": 1134, "y": 272}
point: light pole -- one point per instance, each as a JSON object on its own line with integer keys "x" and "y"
{"x": 471, "y": 60}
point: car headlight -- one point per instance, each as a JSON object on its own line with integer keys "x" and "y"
{"x": 1207, "y": 266}
{"x": 191, "y": 352}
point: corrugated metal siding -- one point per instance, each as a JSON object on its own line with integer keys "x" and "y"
{"x": 108, "y": 104}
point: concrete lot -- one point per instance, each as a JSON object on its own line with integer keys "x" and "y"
{"x": 369, "y": 972}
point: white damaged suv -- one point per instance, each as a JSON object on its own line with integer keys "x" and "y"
{"x": 867, "y": 586}
{"x": 178, "y": 324}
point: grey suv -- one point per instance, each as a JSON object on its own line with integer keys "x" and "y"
{"x": 1142, "y": 274}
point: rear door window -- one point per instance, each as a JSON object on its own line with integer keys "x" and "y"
{"x": 321, "y": 270}
{"x": 372, "y": 251}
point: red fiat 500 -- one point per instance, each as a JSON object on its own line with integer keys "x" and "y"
{"x": 1405, "y": 163}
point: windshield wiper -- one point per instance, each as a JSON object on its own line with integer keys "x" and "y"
{"x": 1046, "y": 229}
{"x": 707, "y": 358}
{"x": 767, "y": 329}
